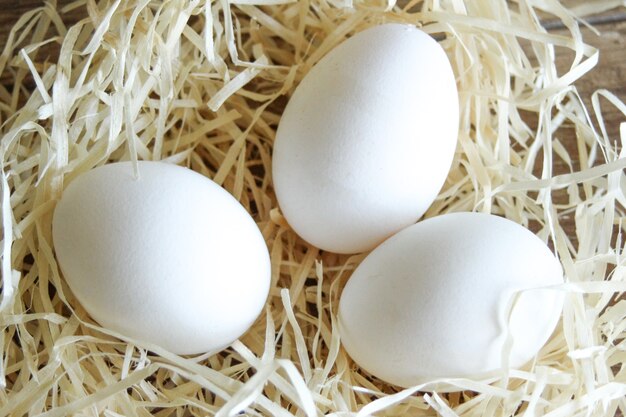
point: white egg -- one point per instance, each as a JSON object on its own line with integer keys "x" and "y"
{"x": 169, "y": 258}
{"x": 432, "y": 301}
{"x": 367, "y": 139}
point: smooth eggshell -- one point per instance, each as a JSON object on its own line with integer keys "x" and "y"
{"x": 170, "y": 258}
{"x": 431, "y": 302}
{"x": 367, "y": 139}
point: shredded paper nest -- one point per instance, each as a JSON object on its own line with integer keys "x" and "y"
{"x": 203, "y": 84}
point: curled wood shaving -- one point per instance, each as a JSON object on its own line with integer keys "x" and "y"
{"x": 203, "y": 84}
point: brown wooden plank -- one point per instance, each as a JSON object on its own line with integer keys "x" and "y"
{"x": 11, "y": 10}
{"x": 10, "y": 15}
{"x": 610, "y": 73}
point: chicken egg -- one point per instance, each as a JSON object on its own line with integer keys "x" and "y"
{"x": 168, "y": 257}
{"x": 439, "y": 299}
{"x": 367, "y": 139}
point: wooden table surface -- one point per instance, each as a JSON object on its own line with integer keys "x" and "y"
{"x": 610, "y": 73}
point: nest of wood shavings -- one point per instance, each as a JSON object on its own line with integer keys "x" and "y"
{"x": 203, "y": 84}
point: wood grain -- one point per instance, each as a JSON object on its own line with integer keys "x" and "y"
{"x": 609, "y": 74}
{"x": 11, "y": 10}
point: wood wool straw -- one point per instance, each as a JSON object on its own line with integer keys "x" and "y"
{"x": 203, "y": 84}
